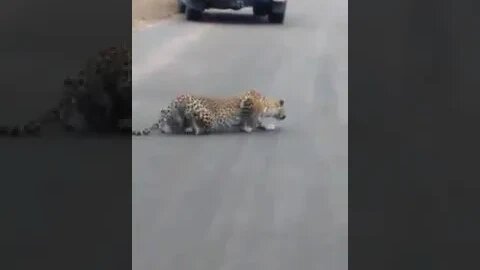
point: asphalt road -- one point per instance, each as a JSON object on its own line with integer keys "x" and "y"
{"x": 268, "y": 200}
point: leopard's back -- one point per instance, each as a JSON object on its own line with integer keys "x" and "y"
{"x": 217, "y": 113}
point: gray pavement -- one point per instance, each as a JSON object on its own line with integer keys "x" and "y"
{"x": 268, "y": 200}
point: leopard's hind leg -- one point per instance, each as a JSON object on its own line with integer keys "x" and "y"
{"x": 201, "y": 122}
{"x": 184, "y": 123}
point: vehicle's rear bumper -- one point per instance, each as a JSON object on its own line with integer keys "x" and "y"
{"x": 229, "y": 4}
{"x": 221, "y": 4}
{"x": 196, "y": 4}
{"x": 278, "y": 6}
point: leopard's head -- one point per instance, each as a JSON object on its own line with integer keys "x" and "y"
{"x": 266, "y": 106}
{"x": 273, "y": 107}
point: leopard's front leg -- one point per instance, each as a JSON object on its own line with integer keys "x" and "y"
{"x": 249, "y": 119}
{"x": 267, "y": 127}
{"x": 248, "y": 125}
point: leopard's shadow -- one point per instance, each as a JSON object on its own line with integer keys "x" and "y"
{"x": 221, "y": 133}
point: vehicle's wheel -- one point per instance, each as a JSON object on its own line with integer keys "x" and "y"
{"x": 193, "y": 14}
{"x": 276, "y": 17}
{"x": 260, "y": 10}
{"x": 181, "y": 6}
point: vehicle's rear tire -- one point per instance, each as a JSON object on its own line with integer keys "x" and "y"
{"x": 276, "y": 17}
{"x": 193, "y": 14}
{"x": 181, "y": 6}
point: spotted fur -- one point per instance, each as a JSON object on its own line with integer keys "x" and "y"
{"x": 201, "y": 114}
{"x": 97, "y": 99}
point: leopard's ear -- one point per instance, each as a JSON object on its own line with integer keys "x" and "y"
{"x": 281, "y": 102}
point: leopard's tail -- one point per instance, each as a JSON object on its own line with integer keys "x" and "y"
{"x": 146, "y": 131}
{"x": 32, "y": 128}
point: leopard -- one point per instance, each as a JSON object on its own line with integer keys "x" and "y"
{"x": 97, "y": 99}
{"x": 195, "y": 114}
